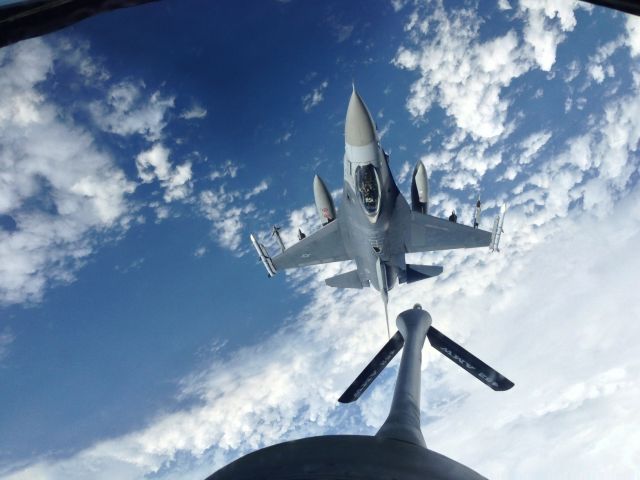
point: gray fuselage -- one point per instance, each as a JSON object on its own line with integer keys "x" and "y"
{"x": 373, "y": 212}
{"x": 375, "y": 241}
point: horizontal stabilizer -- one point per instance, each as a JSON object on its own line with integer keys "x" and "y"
{"x": 371, "y": 371}
{"x": 416, "y": 273}
{"x": 345, "y": 280}
{"x": 469, "y": 362}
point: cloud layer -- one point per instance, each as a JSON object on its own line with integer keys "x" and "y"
{"x": 556, "y": 311}
{"x": 56, "y": 184}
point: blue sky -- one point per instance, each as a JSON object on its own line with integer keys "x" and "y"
{"x": 138, "y": 149}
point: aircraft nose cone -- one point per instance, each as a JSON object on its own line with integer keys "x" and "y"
{"x": 359, "y": 130}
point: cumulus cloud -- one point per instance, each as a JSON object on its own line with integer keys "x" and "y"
{"x": 524, "y": 283}
{"x": 541, "y": 32}
{"x": 314, "y": 98}
{"x": 532, "y": 145}
{"x": 559, "y": 281}
{"x": 129, "y": 110}
{"x": 76, "y": 53}
{"x": 228, "y": 169}
{"x": 632, "y": 40}
{"x": 195, "y": 112}
{"x": 573, "y": 70}
{"x": 257, "y": 190}
{"x": 154, "y": 164}
{"x": 59, "y": 187}
{"x": 219, "y": 206}
{"x": 398, "y": 4}
{"x": 466, "y": 75}
{"x": 599, "y": 65}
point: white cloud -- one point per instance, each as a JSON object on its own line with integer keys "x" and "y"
{"x": 314, "y": 98}
{"x": 632, "y": 40}
{"x": 257, "y": 190}
{"x": 385, "y": 129}
{"x": 76, "y": 54}
{"x": 543, "y": 34}
{"x": 398, "y": 4}
{"x": 532, "y": 145}
{"x": 588, "y": 399}
{"x": 59, "y": 187}
{"x": 404, "y": 172}
{"x": 284, "y": 138}
{"x": 465, "y": 75}
{"x": 154, "y": 164}
{"x": 195, "y": 112}
{"x": 597, "y": 73}
{"x": 229, "y": 169}
{"x": 559, "y": 282}
{"x": 228, "y": 219}
{"x": 599, "y": 66}
{"x": 128, "y": 110}
{"x": 573, "y": 70}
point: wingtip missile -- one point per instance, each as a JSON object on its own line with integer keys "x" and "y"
{"x": 264, "y": 256}
{"x": 498, "y": 229}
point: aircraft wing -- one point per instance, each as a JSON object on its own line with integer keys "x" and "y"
{"x": 427, "y": 233}
{"x": 322, "y": 246}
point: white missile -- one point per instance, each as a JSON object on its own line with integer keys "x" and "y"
{"x": 264, "y": 256}
{"x": 420, "y": 189}
{"x": 324, "y": 202}
{"x": 498, "y": 230}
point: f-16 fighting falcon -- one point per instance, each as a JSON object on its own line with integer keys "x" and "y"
{"x": 375, "y": 226}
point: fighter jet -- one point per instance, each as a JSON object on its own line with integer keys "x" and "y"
{"x": 375, "y": 226}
